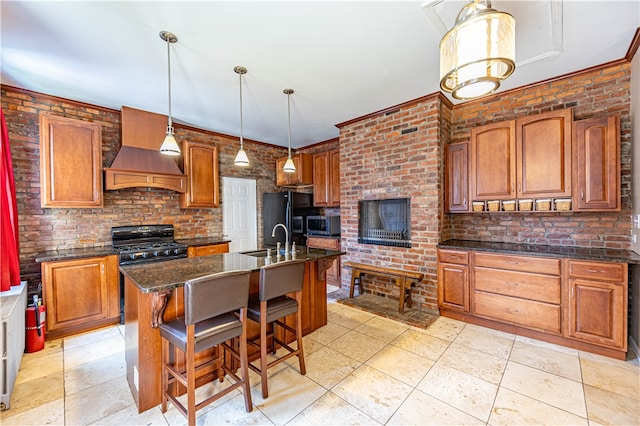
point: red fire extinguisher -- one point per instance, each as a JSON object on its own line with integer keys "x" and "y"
{"x": 36, "y": 316}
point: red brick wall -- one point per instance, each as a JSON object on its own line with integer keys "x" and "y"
{"x": 55, "y": 228}
{"x": 591, "y": 93}
{"x": 379, "y": 160}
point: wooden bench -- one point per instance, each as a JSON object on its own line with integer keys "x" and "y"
{"x": 404, "y": 279}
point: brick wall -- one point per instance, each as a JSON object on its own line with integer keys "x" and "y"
{"x": 591, "y": 93}
{"x": 395, "y": 154}
{"x": 56, "y": 228}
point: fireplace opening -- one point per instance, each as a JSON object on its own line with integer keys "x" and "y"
{"x": 385, "y": 222}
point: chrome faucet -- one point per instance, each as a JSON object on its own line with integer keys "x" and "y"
{"x": 286, "y": 237}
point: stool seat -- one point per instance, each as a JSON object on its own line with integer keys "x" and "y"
{"x": 215, "y": 314}
{"x": 270, "y": 308}
{"x": 276, "y": 308}
{"x": 208, "y": 333}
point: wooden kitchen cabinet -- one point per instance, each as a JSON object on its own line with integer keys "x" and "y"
{"x": 195, "y": 251}
{"x": 457, "y": 177}
{"x": 580, "y": 304}
{"x": 493, "y": 161}
{"x": 597, "y": 308}
{"x": 80, "y": 294}
{"x": 453, "y": 280}
{"x": 596, "y": 146}
{"x": 201, "y": 168}
{"x": 527, "y": 158}
{"x": 70, "y": 163}
{"x": 303, "y": 174}
{"x": 326, "y": 179}
{"x": 334, "y": 273}
{"x": 543, "y": 154}
{"x": 520, "y": 290}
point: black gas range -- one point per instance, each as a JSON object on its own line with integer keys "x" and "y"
{"x": 146, "y": 243}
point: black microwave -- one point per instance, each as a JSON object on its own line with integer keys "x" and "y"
{"x": 323, "y": 225}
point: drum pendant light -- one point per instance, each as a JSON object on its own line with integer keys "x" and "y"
{"x": 289, "y": 167}
{"x": 169, "y": 146}
{"x": 241, "y": 158}
{"x": 478, "y": 52}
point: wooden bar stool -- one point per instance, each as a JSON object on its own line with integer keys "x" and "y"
{"x": 210, "y": 319}
{"x": 270, "y": 306}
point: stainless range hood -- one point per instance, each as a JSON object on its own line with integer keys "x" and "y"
{"x": 139, "y": 162}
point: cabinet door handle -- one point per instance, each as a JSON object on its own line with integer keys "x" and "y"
{"x": 572, "y": 293}
{"x": 513, "y": 188}
{"x": 582, "y": 194}
{"x": 102, "y": 268}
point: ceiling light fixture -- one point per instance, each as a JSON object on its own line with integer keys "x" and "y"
{"x": 478, "y": 52}
{"x": 241, "y": 157}
{"x": 289, "y": 167}
{"x": 169, "y": 146}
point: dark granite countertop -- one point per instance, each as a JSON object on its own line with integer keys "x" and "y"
{"x": 156, "y": 276}
{"x": 581, "y": 253}
{"x": 77, "y": 253}
{"x": 202, "y": 241}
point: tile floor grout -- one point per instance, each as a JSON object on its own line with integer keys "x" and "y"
{"x": 453, "y": 373}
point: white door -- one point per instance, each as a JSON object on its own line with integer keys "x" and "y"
{"x": 239, "y": 217}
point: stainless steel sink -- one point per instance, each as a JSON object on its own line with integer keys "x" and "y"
{"x": 262, "y": 253}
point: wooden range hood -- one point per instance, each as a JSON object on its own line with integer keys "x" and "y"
{"x": 139, "y": 162}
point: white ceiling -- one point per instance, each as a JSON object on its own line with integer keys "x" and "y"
{"x": 343, "y": 59}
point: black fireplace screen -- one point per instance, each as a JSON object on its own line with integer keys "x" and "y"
{"x": 385, "y": 222}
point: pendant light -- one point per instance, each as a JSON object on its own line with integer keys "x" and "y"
{"x": 478, "y": 52}
{"x": 289, "y": 167}
{"x": 169, "y": 146}
{"x": 241, "y": 158}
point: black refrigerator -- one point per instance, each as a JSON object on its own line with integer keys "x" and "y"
{"x": 289, "y": 208}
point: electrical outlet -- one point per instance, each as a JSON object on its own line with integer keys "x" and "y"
{"x": 636, "y": 221}
{"x": 634, "y": 238}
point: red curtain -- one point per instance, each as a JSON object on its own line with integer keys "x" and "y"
{"x": 9, "y": 260}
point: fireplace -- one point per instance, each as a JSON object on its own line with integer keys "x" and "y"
{"x": 385, "y": 222}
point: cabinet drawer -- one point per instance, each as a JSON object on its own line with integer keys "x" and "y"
{"x": 598, "y": 270}
{"x": 453, "y": 256}
{"x": 324, "y": 243}
{"x": 543, "y": 288}
{"x": 540, "y": 265}
{"x": 208, "y": 250}
{"x": 521, "y": 312}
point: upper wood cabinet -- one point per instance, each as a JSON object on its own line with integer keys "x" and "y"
{"x": 201, "y": 168}
{"x": 596, "y": 146}
{"x": 70, "y": 162}
{"x": 493, "y": 161}
{"x": 326, "y": 179}
{"x": 457, "y": 177}
{"x": 303, "y": 174}
{"x": 543, "y": 154}
{"x": 334, "y": 194}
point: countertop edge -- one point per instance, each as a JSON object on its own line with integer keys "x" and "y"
{"x": 579, "y": 253}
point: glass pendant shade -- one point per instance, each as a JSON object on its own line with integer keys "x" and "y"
{"x": 241, "y": 158}
{"x": 170, "y": 145}
{"x": 289, "y": 167}
{"x": 478, "y": 52}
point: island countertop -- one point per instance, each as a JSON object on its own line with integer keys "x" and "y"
{"x": 157, "y": 276}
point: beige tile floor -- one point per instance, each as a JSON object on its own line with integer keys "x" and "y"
{"x": 361, "y": 369}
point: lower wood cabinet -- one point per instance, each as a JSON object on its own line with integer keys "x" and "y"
{"x": 576, "y": 303}
{"x": 597, "y": 303}
{"x": 80, "y": 294}
{"x": 453, "y": 279}
{"x": 195, "y": 251}
{"x": 333, "y": 274}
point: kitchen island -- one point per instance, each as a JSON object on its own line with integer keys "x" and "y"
{"x": 153, "y": 293}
